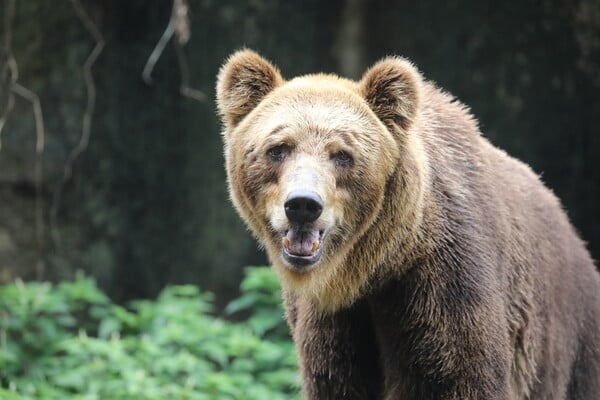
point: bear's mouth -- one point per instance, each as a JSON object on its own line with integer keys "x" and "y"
{"x": 302, "y": 248}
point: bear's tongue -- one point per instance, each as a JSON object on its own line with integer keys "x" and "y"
{"x": 300, "y": 243}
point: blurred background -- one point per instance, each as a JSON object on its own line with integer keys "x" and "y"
{"x": 121, "y": 177}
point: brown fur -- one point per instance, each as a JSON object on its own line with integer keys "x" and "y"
{"x": 447, "y": 271}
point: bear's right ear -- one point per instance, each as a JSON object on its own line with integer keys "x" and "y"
{"x": 243, "y": 81}
{"x": 392, "y": 88}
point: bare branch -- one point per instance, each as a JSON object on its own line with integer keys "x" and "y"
{"x": 181, "y": 12}
{"x": 10, "y": 101}
{"x": 91, "y": 88}
{"x": 89, "y": 111}
{"x": 184, "y": 88}
{"x": 12, "y": 70}
{"x": 159, "y": 48}
{"x": 34, "y": 99}
{"x": 179, "y": 24}
{"x": 9, "y": 15}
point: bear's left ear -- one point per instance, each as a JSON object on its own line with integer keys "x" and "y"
{"x": 392, "y": 87}
{"x": 243, "y": 81}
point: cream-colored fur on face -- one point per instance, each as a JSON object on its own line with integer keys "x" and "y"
{"x": 258, "y": 107}
{"x": 449, "y": 270}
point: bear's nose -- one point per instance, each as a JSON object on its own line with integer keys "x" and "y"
{"x": 303, "y": 206}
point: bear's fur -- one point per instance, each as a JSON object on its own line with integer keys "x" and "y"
{"x": 417, "y": 260}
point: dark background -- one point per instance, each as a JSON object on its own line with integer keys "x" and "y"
{"x": 147, "y": 202}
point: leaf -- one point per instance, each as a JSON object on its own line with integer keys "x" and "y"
{"x": 172, "y": 347}
{"x": 243, "y": 302}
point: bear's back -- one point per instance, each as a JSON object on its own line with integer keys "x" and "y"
{"x": 551, "y": 283}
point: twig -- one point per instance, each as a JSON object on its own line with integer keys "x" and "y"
{"x": 181, "y": 11}
{"x": 34, "y": 99}
{"x": 179, "y": 24}
{"x": 13, "y": 71}
{"x": 89, "y": 111}
{"x": 91, "y": 88}
{"x": 159, "y": 48}
{"x": 184, "y": 88}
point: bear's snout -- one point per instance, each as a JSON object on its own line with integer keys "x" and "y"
{"x": 303, "y": 206}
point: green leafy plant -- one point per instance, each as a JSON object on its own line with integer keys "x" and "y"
{"x": 257, "y": 298}
{"x": 69, "y": 341}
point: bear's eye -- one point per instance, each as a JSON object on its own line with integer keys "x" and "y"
{"x": 278, "y": 153}
{"x": 342, "y": 159}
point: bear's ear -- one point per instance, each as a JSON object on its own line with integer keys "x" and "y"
{"x": 243, "y": 81}
{"x": 392, "y": 87}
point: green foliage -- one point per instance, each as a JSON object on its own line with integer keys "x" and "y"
{"x": 69, "y": 341}
{"x": 257, "y": 297}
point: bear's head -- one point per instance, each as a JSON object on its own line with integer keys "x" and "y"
{"x": 310, "y": 163}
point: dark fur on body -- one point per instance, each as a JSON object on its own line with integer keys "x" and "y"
{"x": 474, "y": 283}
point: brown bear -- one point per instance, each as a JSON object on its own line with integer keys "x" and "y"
{"x": 417, "y": 260}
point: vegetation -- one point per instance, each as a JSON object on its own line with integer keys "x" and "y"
{"x": 69, "y": 341}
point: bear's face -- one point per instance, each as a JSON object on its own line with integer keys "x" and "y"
{"x": 309, "y": 156}
{"x": 308, "y": 161}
